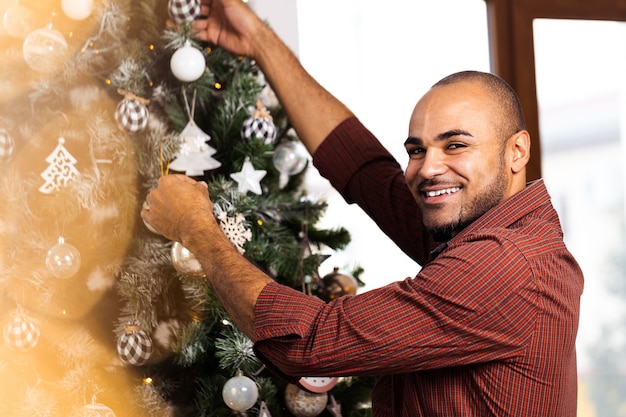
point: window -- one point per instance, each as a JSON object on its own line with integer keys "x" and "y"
{"x": 581, "y": 90}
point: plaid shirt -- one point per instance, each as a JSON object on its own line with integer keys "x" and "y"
{"x": 486, "y": 328}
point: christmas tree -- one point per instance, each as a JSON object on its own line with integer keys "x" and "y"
{"x": 101, "y": 315}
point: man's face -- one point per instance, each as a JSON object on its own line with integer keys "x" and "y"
{"x": 456, "y": 169}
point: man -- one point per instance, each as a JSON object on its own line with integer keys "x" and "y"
{"x": 487, "y": 327}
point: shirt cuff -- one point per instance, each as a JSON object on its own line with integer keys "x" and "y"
{"x": 284, "y": 313}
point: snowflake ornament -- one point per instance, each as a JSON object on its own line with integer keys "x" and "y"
{"x": 235, "y": 230}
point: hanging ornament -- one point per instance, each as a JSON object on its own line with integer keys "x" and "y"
{"x": 21, "y": 333}
{"x": 148, "y": 225}
{"x": 235, "y": 229}
{"x": 183, "y": 11}
{"x": 187, "y": 63}
{"x": 45, "y": 49}
{"x": 240, "y": 392}
{"x": 337, "y": 284}
{"x": 301, "y": 403}
{"x": 97, "y": 410}
{"x": 132, "y": 113}
{"x": 290, "y": 158}
{"x": 318, "y": 384}
{"x": 248, "y": 178}
{"x": 259, "y": 125}
{"x": 263, "y": 410}
{"x": 60, "y": 170}
{"x": 134, "y": 346}
{"x": 18, "y": 20}
{"x": 195, "y": 155}
{"x": 77, "y": 9}
{"x": 185, "y": 262}
{"x": 63, "y": 259}
{"x": 7, "y": 145}
{"x": 333, "y": 407}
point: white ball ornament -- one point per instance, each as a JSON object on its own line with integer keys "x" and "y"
{"x": 146, "y": 206}
{"x": 45, "y": 49}
{"x": 240, "y": 393}
{"x": 77, "y": 9}
{"x": 18, "y": 20}
{"x": 185, "y": 262}
{"x": 187, "y": 63}
{"x": 63, "y": 259}
{"x": 290, "y": 158}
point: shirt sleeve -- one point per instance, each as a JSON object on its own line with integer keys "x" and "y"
{"x": 365, "y": 173}
{"x": 437, "y": 319}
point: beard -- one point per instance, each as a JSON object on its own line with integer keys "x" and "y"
{"x": 489, "y": 197}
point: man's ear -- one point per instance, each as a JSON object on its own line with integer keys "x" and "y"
{"x": 519, "y": 150}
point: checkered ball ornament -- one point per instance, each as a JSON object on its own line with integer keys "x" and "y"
{"x": 259, "y": 128}
{"x": 134, "y": 346}
{"x": 132, "y": 115}
{"x": 7, "y": 145}
{"x": 21, "y": 333}
{"x": 184, "y": 11}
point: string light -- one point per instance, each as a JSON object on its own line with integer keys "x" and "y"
{"x": 218, "y": 86}
{"x": 148, "y": 381}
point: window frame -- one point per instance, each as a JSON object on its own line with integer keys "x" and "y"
{"x": 511, "y": 46}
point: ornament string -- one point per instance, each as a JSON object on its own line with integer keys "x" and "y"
{"x": 164, "y": 168}
{"x": 190, "y": 110}
{"x": 131, "y": 96}
{"x": 89, "y": 43}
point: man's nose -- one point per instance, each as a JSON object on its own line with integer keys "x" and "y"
{"x": 433, "y": 164}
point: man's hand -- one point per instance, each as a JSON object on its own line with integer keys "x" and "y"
{"x": 178, "y": 207}
{"x": 181, "y": 210}
{"x": 229, "y": 24}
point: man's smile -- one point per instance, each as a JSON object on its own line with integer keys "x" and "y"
{"x": 443, "y": 191}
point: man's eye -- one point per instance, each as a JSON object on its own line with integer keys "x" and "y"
{"x": 415, "y": 151}
{"x": 456, "y": 146}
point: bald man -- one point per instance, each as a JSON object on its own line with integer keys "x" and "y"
{"x": 488, "y": 325}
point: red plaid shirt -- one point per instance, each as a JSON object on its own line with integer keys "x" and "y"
{"x": 486, "y": 328}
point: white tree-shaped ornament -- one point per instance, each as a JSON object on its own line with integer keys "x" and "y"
{"x": 61, "y": 169}
{"x": 195, "y": 155}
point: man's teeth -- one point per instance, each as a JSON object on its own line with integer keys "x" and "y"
{"x": 441, "y": 192}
